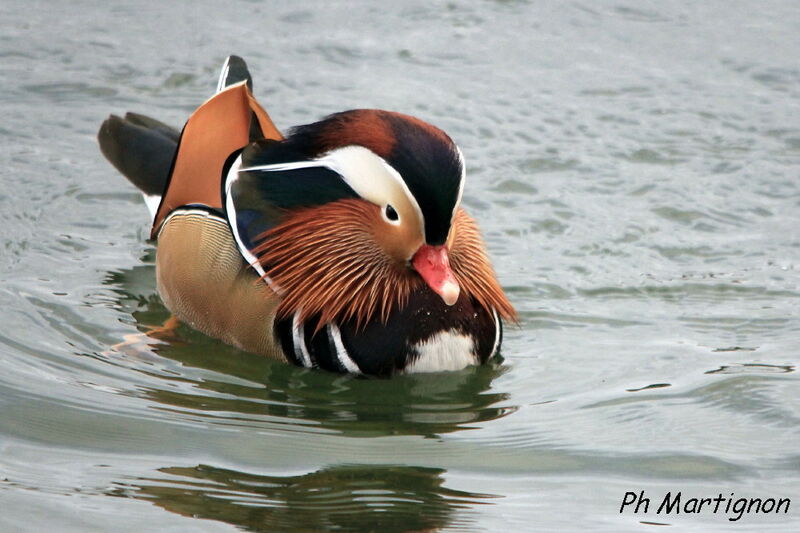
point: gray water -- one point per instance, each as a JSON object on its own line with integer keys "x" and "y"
{"x": 633, "y": 166}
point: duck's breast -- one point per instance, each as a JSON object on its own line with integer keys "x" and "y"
{"x": 204, "y": 281}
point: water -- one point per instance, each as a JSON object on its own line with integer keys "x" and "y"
{"x": 633, "y": 166}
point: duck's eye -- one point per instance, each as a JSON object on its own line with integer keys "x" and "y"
{"x": 390, "y": 214}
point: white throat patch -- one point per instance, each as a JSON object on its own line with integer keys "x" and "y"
{"x": 446, "y": 350}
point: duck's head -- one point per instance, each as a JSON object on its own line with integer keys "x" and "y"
{"x": 347, "y": 216}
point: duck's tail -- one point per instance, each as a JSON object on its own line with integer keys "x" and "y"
{"x": 142, "y": 149}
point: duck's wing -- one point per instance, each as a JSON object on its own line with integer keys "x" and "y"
{"x": 174, "y": 169}
{"x": 221, "y": 126}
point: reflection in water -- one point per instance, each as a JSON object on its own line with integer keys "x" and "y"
{"x": 752, "y": 368}
{"x": 650, "y": 387}
{"x": 231, "y": 386}
{"x": 343, "y": 498}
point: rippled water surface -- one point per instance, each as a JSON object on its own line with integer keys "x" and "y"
{"x": 633, "y": 166}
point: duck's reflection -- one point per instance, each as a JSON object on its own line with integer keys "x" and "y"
{"x": 344, "y": 498}
{"x": 422, "y": 404}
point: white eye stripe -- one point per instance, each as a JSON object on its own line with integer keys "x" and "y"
{"x": 294, "y": 165}
{"x": 371, "y": 177}
{"x": 368, "y": 174}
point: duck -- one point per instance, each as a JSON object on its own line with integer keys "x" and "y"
{"x": 341, "y": 246}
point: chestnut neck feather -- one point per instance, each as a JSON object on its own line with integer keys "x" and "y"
{"x": 472, "y": 268}
{"x": 327, "y": 263}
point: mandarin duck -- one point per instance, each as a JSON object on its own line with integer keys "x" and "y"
{"x": 340, "y": 246}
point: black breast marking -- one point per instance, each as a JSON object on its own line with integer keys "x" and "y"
{"x": 384, "y": 349}
{"x": 305, "y": 347}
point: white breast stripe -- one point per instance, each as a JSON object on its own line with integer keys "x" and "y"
{"x": 299, "y": 341}
{"x": 497, "y": 330}
{"x": 230, "y": 179}
{"x": 341, "y": 352}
